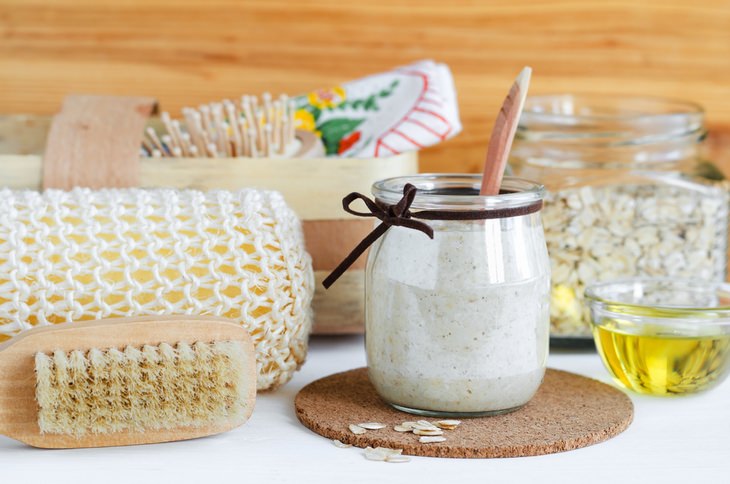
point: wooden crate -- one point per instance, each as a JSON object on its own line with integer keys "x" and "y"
{"x": 312, "y": 187}
{"x": 191, "y": 52}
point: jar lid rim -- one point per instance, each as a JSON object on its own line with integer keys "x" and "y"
{"x": 434, "y": 191}
{"x": 567, "y": 101}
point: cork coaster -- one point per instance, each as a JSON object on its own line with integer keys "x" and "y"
{"x": 568, "y": 412}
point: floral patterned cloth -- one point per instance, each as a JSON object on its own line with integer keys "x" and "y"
{"x": 406, "y": 109}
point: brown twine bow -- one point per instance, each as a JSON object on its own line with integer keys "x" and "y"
{"x": 400, "y": 215}
{"x": 390, "y": 215}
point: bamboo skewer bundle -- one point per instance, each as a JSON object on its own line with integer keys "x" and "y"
{"x": 250, "y": 128}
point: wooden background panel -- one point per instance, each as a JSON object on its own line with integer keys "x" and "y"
{"x": 185, "y": 52}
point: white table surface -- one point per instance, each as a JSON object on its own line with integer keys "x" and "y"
{"x": 683, "y": 440}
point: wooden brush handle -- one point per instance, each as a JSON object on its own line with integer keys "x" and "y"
{"x": 18, "y": 407}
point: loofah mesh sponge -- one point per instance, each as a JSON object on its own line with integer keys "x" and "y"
{"x": 84, "y": 254}
{"x": 150, "y": 388}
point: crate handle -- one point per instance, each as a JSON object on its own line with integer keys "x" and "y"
{"x": 95, "y": 141}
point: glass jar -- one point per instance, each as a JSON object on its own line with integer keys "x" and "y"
{"x": 627, "y": 194}
{"x": 459, "y": 325}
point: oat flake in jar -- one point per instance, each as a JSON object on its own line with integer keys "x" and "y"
{"x": 628, "y": 195}
{"x": 458, "y": 324}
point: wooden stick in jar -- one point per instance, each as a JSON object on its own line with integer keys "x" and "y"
{"x": 500, "y": 141}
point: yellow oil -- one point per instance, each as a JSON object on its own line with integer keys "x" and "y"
{"x": 654, "y": 361}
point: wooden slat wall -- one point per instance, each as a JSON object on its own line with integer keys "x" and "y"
{"x": 189, "y": 51}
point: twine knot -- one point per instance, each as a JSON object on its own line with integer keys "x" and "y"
{"x": 390, "y": 215}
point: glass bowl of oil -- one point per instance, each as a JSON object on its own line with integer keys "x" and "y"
{"x": 662, "y": 336}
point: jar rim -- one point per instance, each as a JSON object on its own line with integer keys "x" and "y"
{"x": 611, "y": 119}
{"x": 437, "y": 191}
{"x": 533, "y": 106}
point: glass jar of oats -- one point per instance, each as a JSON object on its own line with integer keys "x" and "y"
{"x": 628, "y": 194}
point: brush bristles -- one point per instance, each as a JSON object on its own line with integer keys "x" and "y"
{"x": 226, "y": 126}
{"x": 139, "y": 389}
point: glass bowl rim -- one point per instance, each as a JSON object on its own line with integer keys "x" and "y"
{"x": 721, "y": 313}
